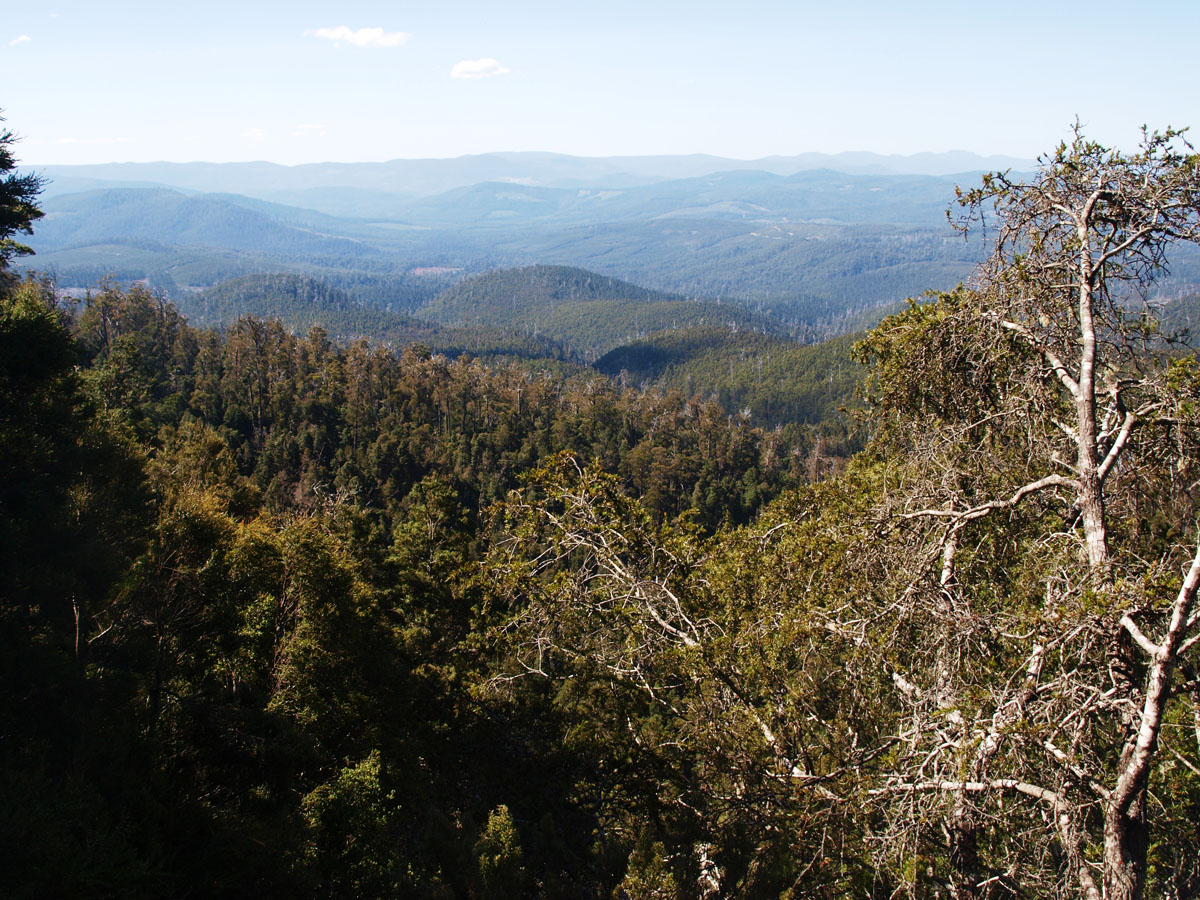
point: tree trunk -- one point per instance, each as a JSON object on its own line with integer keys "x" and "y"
{"x": 1126, "y": 842}
{"x": 1091, "y": 491}
{"x": 964, "y": 853}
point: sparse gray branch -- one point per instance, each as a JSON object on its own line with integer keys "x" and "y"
{"x": 982, "y": 509}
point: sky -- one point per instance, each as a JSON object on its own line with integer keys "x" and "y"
{"x": 367, "y": 80}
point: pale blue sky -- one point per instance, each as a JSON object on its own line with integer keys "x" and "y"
{"x": 138, "y": 81}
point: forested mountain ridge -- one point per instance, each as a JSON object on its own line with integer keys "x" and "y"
{"x": 768, "y": 376}
{"x": 547, "y": 311}
{"x": 531, "y": 288}
{"x": 301, "y": 303}
{"x": 585, "y": 311}
{"x": 816, "y": 248}
{"x": 818, "y": 196}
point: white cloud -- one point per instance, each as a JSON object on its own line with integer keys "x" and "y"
{"x": 305, "y": 130}
{"x": 23, "y": 39}
{"x": 254, "y": 134}
{"x": 478, "y": 68}
{"x": 363, "y": 37}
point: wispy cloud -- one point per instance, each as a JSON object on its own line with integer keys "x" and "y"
{"x": 23, "y": 39}
{"x": 93, "y": 140}
{"x": 362, "y": 37}
{"x": 306, "y": 130}
{"x": 254, "y": 134}
{"x": 478, "y": 68}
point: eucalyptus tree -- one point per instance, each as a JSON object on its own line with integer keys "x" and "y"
{"x": 1045, "y": 439}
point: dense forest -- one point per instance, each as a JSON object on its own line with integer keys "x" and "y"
{"x": 299, "y": 617}
{"x": 340, "y": 500}
{"x": 772, "y": 381}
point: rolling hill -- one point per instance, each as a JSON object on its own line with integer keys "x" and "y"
{"x": 169, "y": 217}
{"x": 584, "y": 311}
{"x": 301, "y": 303}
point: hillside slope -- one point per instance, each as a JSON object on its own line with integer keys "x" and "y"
{"x": 301, "y": 303}
{"x": 169, "y": 217}
{"x": 772, "y": 380}
{"x": 589, "y": 312}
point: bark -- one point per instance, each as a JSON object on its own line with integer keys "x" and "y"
{"x": 964, "y": 852}
{"x": 1125, "y": 836}
{"x": 1091, "y": 494}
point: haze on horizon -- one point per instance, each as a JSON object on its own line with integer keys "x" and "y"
{"x": 134, "y": 81}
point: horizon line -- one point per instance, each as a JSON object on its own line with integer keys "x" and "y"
{"x": 551, "y": 153}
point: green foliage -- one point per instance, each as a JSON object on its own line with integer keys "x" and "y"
{"x": 72, "y": 514}
{"x": 351, "y": 832}
{"x": 18, "y": 201}
{"x": 295, "y": 617}
{"x": 498, "y": 852}
{"x": 777, "y": 381}
{"x": 648, "y": 876}
{"x": 141, "y": 355}
{"x": 69, "y": 487}
{"x": 937, "y": 359}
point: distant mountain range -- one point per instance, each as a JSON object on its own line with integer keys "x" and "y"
{"x": 371, "y": 189}
{"x": 807, "y": 246}
{"x": 812, "y": 249}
